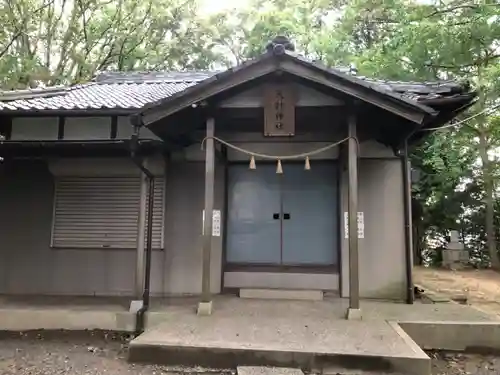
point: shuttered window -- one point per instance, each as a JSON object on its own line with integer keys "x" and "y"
{"x": 102, "y": 212}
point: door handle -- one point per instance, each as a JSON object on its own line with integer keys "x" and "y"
{"x": 286, "y": 216}
{"x": 276, "y": 216}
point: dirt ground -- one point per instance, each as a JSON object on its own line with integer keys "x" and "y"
{"x": 99, "y": 353}
{"x": 481, "y": 287}
{"x": 464, "y": 364}
{"x": 83, "y": 353}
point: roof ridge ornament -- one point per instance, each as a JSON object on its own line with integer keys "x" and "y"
{"x": 279, "y": 45}
{"x": 353, "y": 70}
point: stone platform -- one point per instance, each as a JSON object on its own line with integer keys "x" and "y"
{"x": 314, "y": 334}
{"x": 25, "y": 313}
{"x": 307, "y": 335}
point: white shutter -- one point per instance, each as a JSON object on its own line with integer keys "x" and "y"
{"x": 102, "y": 212}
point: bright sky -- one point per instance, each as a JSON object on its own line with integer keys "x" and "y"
{"x": 213, "y": 6}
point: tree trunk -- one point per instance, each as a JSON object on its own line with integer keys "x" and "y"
{"x": 418, "y": 232}
{"x": 489, "y": 201}
{"x": 417, "y": 247}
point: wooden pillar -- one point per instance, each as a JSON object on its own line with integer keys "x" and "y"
{"x": 205, "y": 306}
{"x": 354, "y": 311}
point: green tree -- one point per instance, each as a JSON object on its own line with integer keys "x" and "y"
{"x": 454, "y": 39}
{"x": 48, "y": 42}
{"x": 243, "y": 34}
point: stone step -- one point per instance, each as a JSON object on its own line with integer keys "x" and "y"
{"x": 432, "y": 297}
{"x": 229, "y": 340}
{"x": 291, "y": 294}
{"x": 263, "y": 370}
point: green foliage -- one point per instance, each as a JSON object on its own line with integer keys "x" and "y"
{"x": 452, "y": 39}
{"x": 55, "y": 42}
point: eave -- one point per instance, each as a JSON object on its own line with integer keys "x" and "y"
{"x": 69, "y": 112}
{"x": 75, "y": 148}
{"x": 270, "y": 63}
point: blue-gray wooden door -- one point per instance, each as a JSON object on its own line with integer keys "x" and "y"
{"x": 288, "y": 219}
{"x": 253, "y": 233}
{"x": 310, "y": 215}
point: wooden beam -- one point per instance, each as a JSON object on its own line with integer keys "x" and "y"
{"x": 6, "y": 127}
{"x": 214, "y": 85}
{"x": 352, "y": 171}
{"x": 401, "y": 107}
{"x": 114, "y": 127}
{"x": 209, "y": 206}
{"x": 60, "y": 129}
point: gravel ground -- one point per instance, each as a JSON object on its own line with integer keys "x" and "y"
{"x": 83, "y": 353}
{"x": 464, "y": 364}
{"x": 97, "y": 353}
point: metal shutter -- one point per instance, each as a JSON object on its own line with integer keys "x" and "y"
{"x": 158, "y": 209}
{"x": 102, "y": 212}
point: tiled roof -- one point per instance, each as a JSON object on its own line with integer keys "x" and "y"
{"x": 133, "y": 90}
{"x": 107, "y": 91}
{"x": 416, "y": 91}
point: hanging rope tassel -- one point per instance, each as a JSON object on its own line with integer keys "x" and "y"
{"x": 279, "y": 169}
{"x": 252, "y": 163}
{"x": 307, "y": 165}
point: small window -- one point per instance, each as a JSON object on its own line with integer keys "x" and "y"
{"x": 102, "y": 212}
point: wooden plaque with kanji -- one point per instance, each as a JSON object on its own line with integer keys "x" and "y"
{"x": 279, "y": 110}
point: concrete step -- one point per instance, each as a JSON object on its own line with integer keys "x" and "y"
{"x": 290, "y": 294}
{"x": 262, "y": 370}
{"x": 228, "y": 341}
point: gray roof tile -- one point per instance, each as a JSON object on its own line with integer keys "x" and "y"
{"x": 108, "y": 91}
{"x": 133, "y": 90}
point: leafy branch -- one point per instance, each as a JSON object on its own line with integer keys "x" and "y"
{"x": 19, "y": 30}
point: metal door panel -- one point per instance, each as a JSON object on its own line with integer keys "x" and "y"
{"x": 310, "y": 213}
{"x": 253, "y": 235}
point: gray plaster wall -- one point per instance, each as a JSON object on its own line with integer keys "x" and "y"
{"x": 29, "y": 266}
{"x": 183, "y": 240}
{"x": 75, "y": 128}
{"x": 83, "y": 128}
{"x": 35, "y": 129}
{"x": 304, "y": 97}
{"x": 27, "y": 263}
{"x": 382, "y": 250}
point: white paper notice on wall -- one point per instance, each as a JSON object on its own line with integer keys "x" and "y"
{"x": 216, "y": 223}
{"x": 361, "y": 225}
